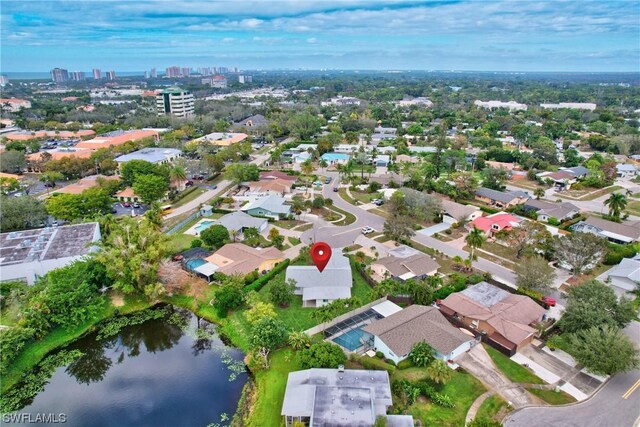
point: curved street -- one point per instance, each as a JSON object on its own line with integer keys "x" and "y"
{"x": 617, "y": 404}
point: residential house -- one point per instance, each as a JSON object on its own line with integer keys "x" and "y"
{"x": 561, "y": 211}
{"x": 320, "y": 288}
{"x": 158, "y": 156}
{"x": 277, "y": 186}
{"x": 627, "y": 170}
{"x": 624, "y": 278}
{"x": 253, "y": 122}
{"x": 453, "y": 212}
{"x": 494, "y": 223}
{"x": 270, "y": 206}
{"x": 345, "y": 148}
{"x": 622, "y": 233}
{"x": 563, "y": 179}
{"x": 404, "y": 158}
{"x": 277, "y": 175}
{"x": 339, "y": 397}
{"x": 501, "y": 199}
{"x": 238, "y": 258}
{"x": 396, "y": 335}
{"x": 419, "y": 149}
{"x": 335, "y": 158}
{"x": 415, "y": 266}
{"x": 240, "y": 221}
{"x": 505, "y": 320}
{"x": 14, "y": 104}
{"x": 382, "y": 160}
{"x": 27, "y": 255}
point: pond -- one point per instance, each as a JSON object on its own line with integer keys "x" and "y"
{"x": 172, "y": 370}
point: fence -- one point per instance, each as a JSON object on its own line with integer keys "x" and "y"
{"x": 182, "y": 223}
{"x": 321, "y": 327}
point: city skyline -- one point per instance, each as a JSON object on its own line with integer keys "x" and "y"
{"x": 404, "y": 35}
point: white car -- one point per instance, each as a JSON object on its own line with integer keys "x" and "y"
{"x": 367, "y": 230}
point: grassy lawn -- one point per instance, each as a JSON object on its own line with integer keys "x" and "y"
{"x": 526, "y": 184}
{"x": 34, "y": 352}
{"x": 463, "y": 388}
{"x": 288, "y": 223}
{"x": 380, "y": 212}
{"x": 510, "y": 369}
{"x": 494, "y": 408}
{"x": 633, "y": 208}
{"x": 271, "y": 385}
{"x": 294, "y": 241}
{"x": 500, "y": 251}
{"x": 348, "y": 219}
{"x": 192, "y": 195}
{"x": 588, "y": 195}
{"x": 552, "y": 397}
{"x": 180, "y": 242}
{"x": 343, "y": 193}
{"x": 304, "y": 227}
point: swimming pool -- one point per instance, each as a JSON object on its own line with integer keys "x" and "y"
{"x": 204, "y": 225}
{"x": 351, "y": 339}
{"x": 192, "y": 264}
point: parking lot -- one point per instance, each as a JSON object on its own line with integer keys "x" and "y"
{"x": 119, "y": 209}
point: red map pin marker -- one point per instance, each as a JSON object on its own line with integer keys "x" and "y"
{"x": 320, "y": 254}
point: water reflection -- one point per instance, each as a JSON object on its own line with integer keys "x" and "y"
{"x": 169, "y": 371}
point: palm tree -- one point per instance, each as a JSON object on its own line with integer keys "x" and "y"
{"x": 539, "y": 192}
{"x": 306, "y": 167}
{"x": 299, "y": 340}
{"x": 439, "y": 372}
{"x": 474, "y": 240}
{"x": 178, "y": 176}
{"x": 323, "y": 164}
{"x": 617, "y": 202}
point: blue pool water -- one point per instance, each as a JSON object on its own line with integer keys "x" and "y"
{"x": 192, "y": 264}
{"x": 351, "y": 339}
{"x": 204, "y": 225}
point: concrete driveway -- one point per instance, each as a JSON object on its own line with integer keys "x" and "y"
{"x": 437, "y": 228}
{"x": 479, "y": 364}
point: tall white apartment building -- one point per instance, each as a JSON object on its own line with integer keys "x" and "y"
{"x": 175, "y": 101}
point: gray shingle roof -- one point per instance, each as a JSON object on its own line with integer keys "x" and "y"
{"x": 419, "y": 264}
{"x": 239, "y": 220}
{"x": 499, "y": 195}
{"x": 414, "y": 324}
{"x": 270, "y": 203}
{"x": 556, "y": 210}
{"x": 326, "y": 285}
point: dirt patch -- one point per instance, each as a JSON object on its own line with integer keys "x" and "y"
{"x": 117, "y": 300}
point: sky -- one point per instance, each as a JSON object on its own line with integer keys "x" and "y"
{"x": 134, "y": 35}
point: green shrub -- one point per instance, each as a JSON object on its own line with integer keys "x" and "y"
{"x": 375, "y": 364}
{"x": 196, "y": 243}
{"x": 322, "y": 354}
{"x": 264, "y": 279}
{"x": 615, "y": 253}
{"x": 379, "y": 355}
{"x": 553, "y": 221}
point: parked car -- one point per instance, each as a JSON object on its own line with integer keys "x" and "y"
{"x": 550, "y": 301}
{"x": 367, "y": 230}
{"x": 136, "y": 205}
{"x": 198, "y": 177}
{"x": 126, "y": 205}
{"x": 377, "y": 202}
{"x": 335, "y": 189}
{"x": 188, "y": 183}
{"x": 328, "y": 180}
{"x": 49, "y": 184}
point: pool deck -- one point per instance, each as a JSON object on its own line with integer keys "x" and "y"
{"x": 193, "y": 230}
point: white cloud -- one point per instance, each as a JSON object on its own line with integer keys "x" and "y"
{"x": 312, "y": 40}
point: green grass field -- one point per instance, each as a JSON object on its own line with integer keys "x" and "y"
{"x": 552, "y": 397}
{"x": 493, "y": 406}
{"x": 511, "y": 370}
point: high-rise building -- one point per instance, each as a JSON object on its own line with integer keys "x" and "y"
{"x": 173, "y": 72}
{"x": 97, "y": 74}
{"x": 59, "y": 75}
{"x": 4, "y": 80}
{"x": 77, "y": 76}
{"x": 186, "y": 71}
{"x": 175, "y": 101}
{"x": 242, "y": 79}
{"x": 154, "y": 73}
{"x": 111, "y": 75}
{"x": 146, "y": 74}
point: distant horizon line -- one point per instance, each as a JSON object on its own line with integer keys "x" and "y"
{"x": 390, "y": 70}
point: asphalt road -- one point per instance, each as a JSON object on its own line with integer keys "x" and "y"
{"x": 617, "y": 404}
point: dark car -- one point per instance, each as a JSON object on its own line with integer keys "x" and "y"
{"x": 328, "y": 180}
{"x": 198, "y": 177}
{"x": 335, "y": 189}
{"x": 136, "y": 205}
{"x": 49, "y": 184}
{"x": 188, "y": 183}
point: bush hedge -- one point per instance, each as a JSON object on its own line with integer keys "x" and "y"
{"x": 262, "y": 280}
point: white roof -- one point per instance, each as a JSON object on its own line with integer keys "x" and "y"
{"x": 386, "y": 308}
{"x": 326, "y": 292}
{"x": 207, "y": 269}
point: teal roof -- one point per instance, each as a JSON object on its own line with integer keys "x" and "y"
{"x": 173, "y": 89}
